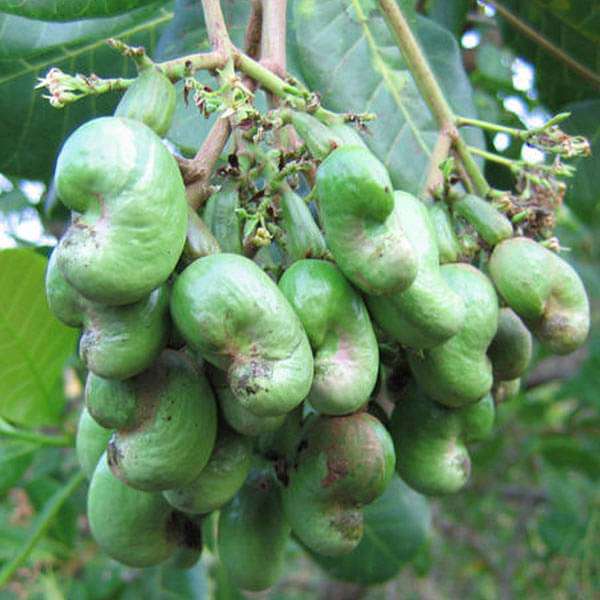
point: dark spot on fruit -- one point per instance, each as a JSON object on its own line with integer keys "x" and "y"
{"x": 337, "y": 468}
{"x": 186, "y": 532}
{"x": 113, "y": 454}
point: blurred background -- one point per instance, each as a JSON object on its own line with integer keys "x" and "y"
{"x": 528, "y": 523}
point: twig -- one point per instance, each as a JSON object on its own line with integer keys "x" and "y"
{"x": 8, "y": 430}
{"x": 440, "y": 152}
{"x": 546, "y": 44}
{"x": 44, "y": 520}
{"x": 430, "y": 89}
{"x": 218, "y": 36}
{"x": 272, "y": 48}
{"x": 186, "y": 66}
{"x": 253, "y": 29}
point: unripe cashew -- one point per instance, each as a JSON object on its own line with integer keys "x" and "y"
{"x": 544, "y": 290}
{"x": 428, "y": 312}
{"x": 447, "y": 242}
{"x": 488, "y": 221}
{"x": 429, "y": 438}
{"x": 90, "y": 443}
{"x": 340, "y": 332}
{"x": 174, "y": 428}
{"x": 343, "y": 463}
{"x": 362, "y": 229}
{"x": 253, "y": 533}
{"x": 458, "y": 372}
{"x": 221, "y": 218}
{"x": 128, "y": 238}
{"x": 510, "y": 350}
{"x": 235, "y": 317}
{"x": 117, "y": 341}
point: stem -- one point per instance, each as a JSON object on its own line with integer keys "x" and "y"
{"x": 44, "y": 520}
{"x": 218, "y": 35}
{"x": 435, "y": 177}
{"x": 430, "y": 89}
{"x": 502, "y": 160}
{"x": 540, "y": 40}
{"x": 272, "y": 50}
{"x": 185, "y": 66}
{"x": 8, "y": 430}
{"x": 522, "y": 134}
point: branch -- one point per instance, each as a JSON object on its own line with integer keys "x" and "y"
{"x": 43, "y": 522}
{"x": 272, "y": 49}
{"x": 546, "y": 44}
{"x": 435, "y": 177}
{"x": 430, "y": 89}
{"x": 218, "y": 35}
{"x": 8, "y": 430}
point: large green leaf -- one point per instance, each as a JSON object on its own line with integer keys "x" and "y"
{"x": 33, "y": 344}
{"x": 348, "y": 54}
{"x": 583, "y": 193}
{"x": 573, "y": 28}
{"x": 32, "y": 130}
{"x": 15, "y": 458}
{"x": 69, "y": 10}
{"x": 396, "y": 526}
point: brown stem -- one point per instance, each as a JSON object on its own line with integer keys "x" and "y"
{"x": 272, "y": 48}
{"x": 440, "y": 152}
{"x": 197, "y": 171}
{"x": 218, "y": 35}
{"x": 253, "y": 30}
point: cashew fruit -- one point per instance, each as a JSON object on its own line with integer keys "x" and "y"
{"x": 220, "y": 479}
{"x": 199, "y": 240}
{"x": 428, "y": 312}
{"x": 90, "y": 443}
{"x": 510, "y": 350}
{"x": 319, "y": 139}
{"x": 240, "y": 419}
{"x": 110, "y": 402}
{"x": 150, "y": 99}
{"x": 506, "y": 390}
{"x": 130, "y": 209}
{"x": 459, "y": 371}
{"x": 303, "y": 238}
{"x": 347, "y": 135}
{"x": 362, "y": 228}
{"x": 174, "y": 430}
{"x": 343, "y": 463}
{"x": 334, "y": 316}
{"x": 489, "y": 222}
{"x": 139, "y": 529}
{"x": 221, "y": 218}
{"x": 445, "y": 236}
{"x": 253, "y": 533}
{"x": 431, "y": 455}
{"x": 235, "y": 317}
{"x": 117, "y": 341}
{"x": 544, "y": 290}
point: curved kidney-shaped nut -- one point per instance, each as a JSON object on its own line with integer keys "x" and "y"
{"x": 428, "y": 312}
{"x": 132, "y": 224}
{"x": 445, "y": 236}
{"x": 488, "y": 221}
{"x": 458, "y": 372}
{"x": 174, "y": 429}
{"x": 90, "y": 443}
{"x": 362, "y": 229}
{"x": 222, "y": 219}
{"x": 343, "y": 463}
{"x": 139, "y": 529}
{"x": 116, "y": 341}
{"x": 220, "y": 479}
{"x": 150, "y": 99}
{"x": 236, "y": 318}
{"x": 510, "y": 350}
{"x": 430, "y": 438}
{"x": 339, "y": 329}
{"x": 544, "y": 290}
{"x": 253, "y": 533}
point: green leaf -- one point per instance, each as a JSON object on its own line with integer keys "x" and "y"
{"x": 15, "y": 458}
{"x": 572, "y": 27}
{"x": 396, "y": 525}
{"x": 451, "y": 15}
{"x": 583, "y": 192}
{"x": 33, "y": 344}
{"x": 69, "y": 10}
{"x": 350, "y": 57}
{"x": 28, "y": 49}
{"x": 565, "y": 452}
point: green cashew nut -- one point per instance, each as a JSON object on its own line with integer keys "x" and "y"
{"x": 174, "y": 429}
{"x": 343, "y": 464}
{"x": 445, "y": 236}
{"x": 90, "y": 443}
{"x": 347, "y": 135}
{"x": 128, "y": 238}
{"x": 199, "y": 240}
{"x": 220, "y": 479}
{"x": 221, "y": 218}
{"x": 319, "y": 139}
{"x": 240, "y": 419}
{"x": 458, "y": 372}
{"x": 235, "y": 317}
{"x": 510, "y": 350}
{"x": 303, "y": 238}
{"x": 117, "y": 341}
{"x": 110, "y": 402}
{"x": 139, "y": 529}
{"x": 253, "y": 533}
{"x": 544, "y": 290}
{"x": 428, "y": 312}
{"x": 334, "y": 316}
{"x": 362, "y": 228}
{"x": 488, "y": 221}
{"x": 150, "y": 99}
{"x": 431, "y": 456}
